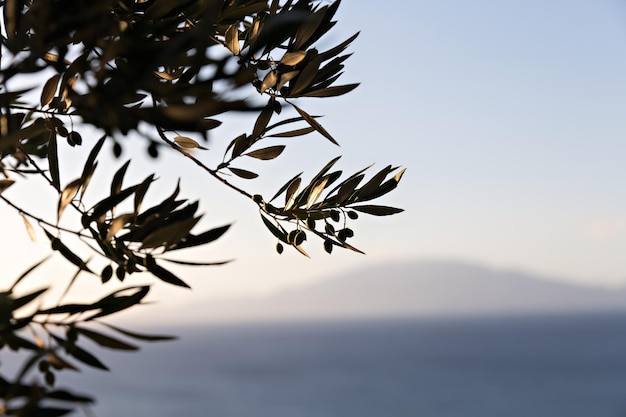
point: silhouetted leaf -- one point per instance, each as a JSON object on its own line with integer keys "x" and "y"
{"x": 139, "y": 336}
{"x": 377, "y": 210}
{"x": 293, "y": 133}
{"x": 67, "y": 252}
{"x": 191, "y": 263}
{"x": 285, "y": 77}
{"x": 280, "y": 234}
{"x": 269, "y": 81}
{"x": 267, "y": 153}
{"x": 169, "y": 234}
{"x": 262, "y": 120}
{"x": 25, "y": 299}
{"x": 293, "y": 58}
{"x": 316, "y": 191}
{"x": 28, "y": 271}
{"x": 29, "y": 228}
{"x": 187, "y": 143}
{"x": 118, "y": 178}
{"x": 63, "y": 395}
{"x": 49, "y": 89}
{"x": 115, "y": 302}
{"x": 290, "y": 196}
{"x": 308, "y": 28}
{"x": 243, "y": 173}
{"x": 338, "y": 49}
{"x": 105, "y": 340}
{"x": 203, "y": 238}
{"x": 111, "y": 202}
{"x": 58, "y": 362}
{"x": 68, "y": 194}
{"x": 165, "y": 275}
{"x": 348, "y": 188}
{"x": 374, "y": 182}
{"x": 331, "y": 91}
{"x": 284, "y": 187}
{"x": 314, "y": 124}
{"x": 306, "y": 77}
{"x": 141, "y": 192}
{"x": 53, "y": 160}
{"x": 5, "y": 183}
{"x": 302, "y": 251}
{"x": 232, "y": 39}
{"x": 80, "y": 354}
{"x": 91, "y": 159}
{"x": 118, "y": 224}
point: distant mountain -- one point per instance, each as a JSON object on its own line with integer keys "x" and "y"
{"x": 419, "y": 289}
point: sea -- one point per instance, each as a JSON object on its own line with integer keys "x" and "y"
{"x": 513, "y": 366}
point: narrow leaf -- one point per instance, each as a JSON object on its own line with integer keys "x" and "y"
{"x": 190, "y": 263}
{"x": 314, "y": 124}
{"x": 110, "y": 202}
{"x": 374, "y": 182}
{"x": 293, "y": 58}
{"x": 316, "y": 191}
{"x": 91, "y": 159}
{"x": 302, "y": 251}
{"x": 290, "y": 196}
{"x": 203, "y": 238}
{"x": 169, "y": 234}
{"x": 141, "y": 192}
{"x": 118, "y": 224}
{"x": 348, "y": 188}
{"x": 377, "y": 210}
{"x": 262, "y": 120}
{"x": 66, "y": 252}
{"x": 105, "y": 340}
{"x": 114, "y": 302}
{"x": 49, "y": 89}
{"x": 139, "y": 336}
{"x": 4, "y": 184}
{"x": 118, "y": 178}
{"x": 243, "y": 173}
{"x": 53, "y": 161}
{"x": 166, "y": 276}
{"x": 285, "y": 78}
{"x": 81, "y": 354}
{"x": 68, "y": 194}
{"x": 29, "y": 228}
{"x": 279, "y": 233}
{"x": 232, "y": 39}
{"x": 22, "y": 301}
{"x": 187, "y": 143}
{"x": 284, "y": 187}
{"x": 267, "y": 153}
{"x": 338, "y": 49}
{"x": 293, "y": 133}
{"x": 28, "y": 271}
{"x": 306, "y": 77}
{"x": 269, "y": 81}
{"x": 331, "y": 91}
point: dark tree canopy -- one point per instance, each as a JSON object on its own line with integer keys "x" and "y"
{"x": 161, "y": 72}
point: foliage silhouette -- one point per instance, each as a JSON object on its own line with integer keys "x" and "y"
{"x": 160, "y": 71}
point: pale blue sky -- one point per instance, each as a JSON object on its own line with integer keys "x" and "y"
{"x": 509, "y": 118}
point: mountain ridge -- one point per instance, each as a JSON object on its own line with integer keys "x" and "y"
{"x": 426, "y": 288}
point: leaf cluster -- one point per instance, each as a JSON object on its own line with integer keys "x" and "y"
{"x": 161, "y": 71}
{"x": 53, "y": 340}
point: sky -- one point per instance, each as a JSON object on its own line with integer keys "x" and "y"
{"x": 507, "y": 115}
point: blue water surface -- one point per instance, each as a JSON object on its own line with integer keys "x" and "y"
{"x": 540, "y": 366}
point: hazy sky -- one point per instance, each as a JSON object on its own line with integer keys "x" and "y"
{"x": 509, "y": 117}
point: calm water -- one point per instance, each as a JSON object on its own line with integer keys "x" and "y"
{"x": 541, "y": 366}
